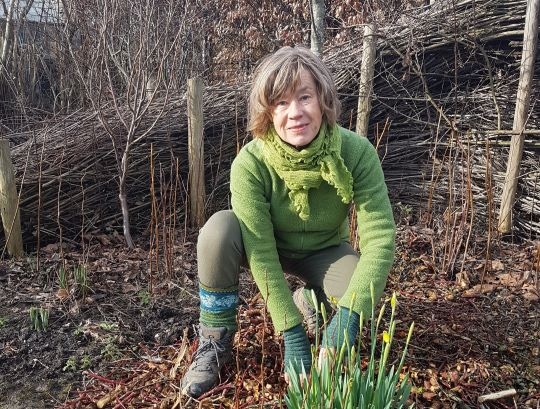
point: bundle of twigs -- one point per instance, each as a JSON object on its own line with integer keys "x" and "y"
{"x": 68, "y": 170}
{"x": 445, "y": 87}
{"x": 445, "y": 90}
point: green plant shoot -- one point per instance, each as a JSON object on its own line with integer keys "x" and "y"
{"x": 338, "y": 380}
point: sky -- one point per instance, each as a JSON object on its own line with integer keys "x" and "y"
{"x": 42, "y": 10}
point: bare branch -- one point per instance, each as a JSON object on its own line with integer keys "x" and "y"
{"x": 26, "y": 9}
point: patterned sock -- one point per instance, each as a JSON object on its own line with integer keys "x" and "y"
{"x": 218, "y": 307}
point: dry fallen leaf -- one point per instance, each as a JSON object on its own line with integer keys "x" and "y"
{"x": 462, "y": 279}
{"x": 479, "y": 289}
{"x": 429, "y": 395}
{"x": 432, "y": 295}
{"x": 497, "y": 265}
{"x": 530, "y": 293}
{"x": 62, "y": 294}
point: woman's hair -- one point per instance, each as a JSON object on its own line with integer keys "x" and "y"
{"x": 279, "y": 73}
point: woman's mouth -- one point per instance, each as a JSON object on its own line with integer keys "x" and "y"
{"x": 297, "y": 128}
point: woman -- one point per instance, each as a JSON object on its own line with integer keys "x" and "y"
{"x": 292, "y": 187}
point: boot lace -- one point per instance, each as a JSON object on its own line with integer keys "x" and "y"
{"x": 209, "y": 351}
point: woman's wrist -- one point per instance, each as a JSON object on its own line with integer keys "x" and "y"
{"x": 343, "y": 328}
{"x": 297, "y": 349}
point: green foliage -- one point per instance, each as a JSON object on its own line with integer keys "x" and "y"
{"x": 85, "y": 362}
{"x": 144, "y": 297}
{"x": 110, "y": 351}
{"x": 81, "y": 278}
{"x": 3, "y": 322}
{"x": 79, "y": 330}
{"x": 62, "y": 278}
{"x": 338, "y": 380}
{"x": 71, "y": 364}
{"x": 39, "y": 317}
{"x": 404, "y": 212}
{"x": 108, "y": 326}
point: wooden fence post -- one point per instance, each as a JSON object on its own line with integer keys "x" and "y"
{"x": 523, "y": 98}
{"x": 197, "y": 194}
{"x": 366, "y": 79}
{"x": 9, "y": 208}
{"x": 318, "y": 25}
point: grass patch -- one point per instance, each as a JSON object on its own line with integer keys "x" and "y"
{"x": 39, "y": 318}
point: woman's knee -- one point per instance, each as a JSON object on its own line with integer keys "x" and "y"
{"x": 339, "y": 266}
{"x": 220, "y": 251}
{"x": 220, "y": 233}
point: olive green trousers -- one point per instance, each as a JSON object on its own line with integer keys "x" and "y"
{"x": 220, "y": 254}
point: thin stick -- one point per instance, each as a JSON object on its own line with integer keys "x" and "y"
{"x": 497, "y": 395}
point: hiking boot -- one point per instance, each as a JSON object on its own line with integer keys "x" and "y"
{"x": 214, "y": 350}
{"x": 311, "y": 317}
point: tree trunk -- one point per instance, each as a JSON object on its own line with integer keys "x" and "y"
{"x": 530, "y": 38}
{"x": 366, "y": 79}
{"x": 123, "y": 198}
{"x": 197, "y": 191}
{"x": 318, "y": 26}
{"x": 8, "y": 32}
{"x": 8, "y": 37}
{"x": 9, "y": 199}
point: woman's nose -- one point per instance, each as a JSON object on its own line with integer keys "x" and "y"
{"x": 295, "y": 110}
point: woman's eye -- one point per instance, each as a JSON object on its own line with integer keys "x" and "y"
{"x": 305, "y": 97}
{"x": 281, "y": 103}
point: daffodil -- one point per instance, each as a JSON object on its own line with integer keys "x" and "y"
{"x": 339, "y": 381}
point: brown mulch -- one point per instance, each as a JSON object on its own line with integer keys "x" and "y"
{"x": 152, "y": 378}
{"x": 476, "y": 330}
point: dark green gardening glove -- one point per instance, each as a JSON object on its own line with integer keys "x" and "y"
{"x": 346, "y": 323}
{"x": 297, "y": 349}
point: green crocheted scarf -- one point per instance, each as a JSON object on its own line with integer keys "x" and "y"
{"x": 304, "y": 169}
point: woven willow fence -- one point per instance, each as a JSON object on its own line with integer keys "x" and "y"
{"x": 445, "y": 86}
{"x": 445, "y": 89}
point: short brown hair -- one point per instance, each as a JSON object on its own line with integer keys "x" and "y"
{"x": 279, "y": 73}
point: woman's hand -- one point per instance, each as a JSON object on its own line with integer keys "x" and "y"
{"x": 297, "y": 352}
{"x": 344, "y": 327}
{"x": 326, "y": 355}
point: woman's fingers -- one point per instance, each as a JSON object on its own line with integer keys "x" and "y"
{"x": 302, "y": 378}
{"x": 326, "y": 354}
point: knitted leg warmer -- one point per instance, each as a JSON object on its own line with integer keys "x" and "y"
{"x": 218, "y": 307}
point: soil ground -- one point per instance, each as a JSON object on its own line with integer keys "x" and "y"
{"x": 124, "y": 338}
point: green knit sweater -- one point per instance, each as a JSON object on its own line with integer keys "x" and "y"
{"x": 271, "y": 226}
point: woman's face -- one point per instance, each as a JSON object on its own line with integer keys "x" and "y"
{"x": 297, "y": 115}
